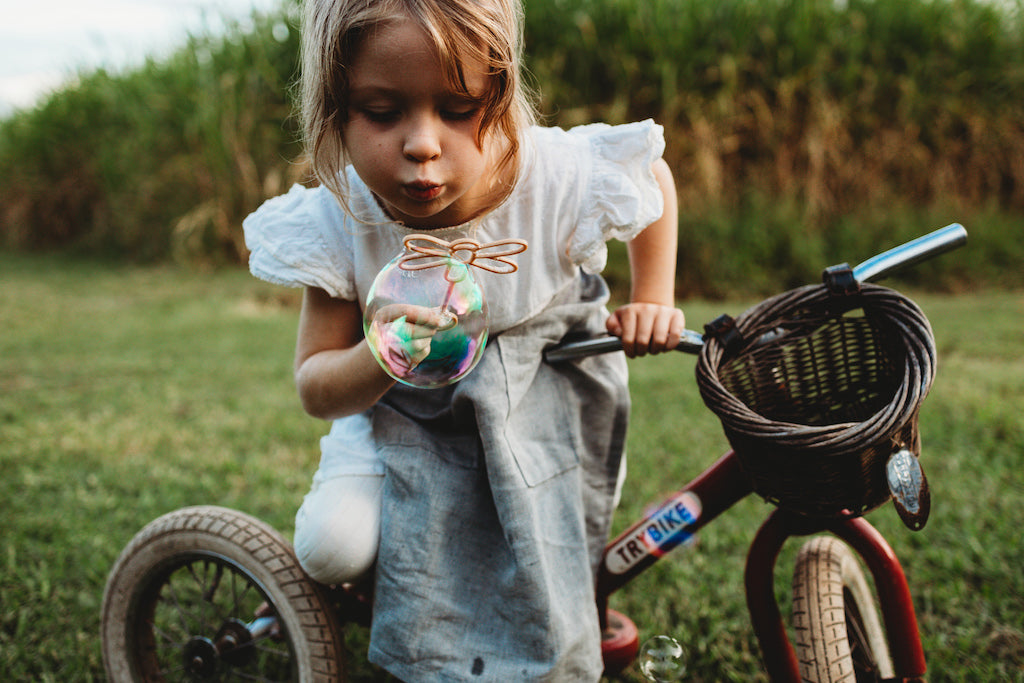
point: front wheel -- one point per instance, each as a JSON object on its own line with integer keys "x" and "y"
{"x": 839, "y": 636}
{"x": 211, "y": 594}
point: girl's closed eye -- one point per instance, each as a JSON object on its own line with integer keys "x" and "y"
{"x": 391, "y": 114}
{"x": 460, "y": 113}
{"x": 380, "y": 114}
{"x": 460, "y": 107}
{"x": 466, "y": 115}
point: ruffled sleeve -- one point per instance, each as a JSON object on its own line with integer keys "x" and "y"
{"x": 293, "y": 240}
{"x": 622, "y": 195}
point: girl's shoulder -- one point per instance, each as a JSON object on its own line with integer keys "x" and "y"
{"x": 601, "y": 178}
{"x": 611, "y": 142}
{"x": 591, "y": 159}
{"x": 589, "y": 156}
{"x": 296, "y": 239}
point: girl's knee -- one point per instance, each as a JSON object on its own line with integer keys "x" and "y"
{"x": 337, "y": 529}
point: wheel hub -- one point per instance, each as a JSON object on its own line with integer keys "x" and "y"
{"x": 232, "y": 641}
{"x": 200, "y": 657}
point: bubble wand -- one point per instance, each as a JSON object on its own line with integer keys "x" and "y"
{"x": 491, "y": 257}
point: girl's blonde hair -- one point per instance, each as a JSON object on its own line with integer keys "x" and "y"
{"x": 484, "y": 31}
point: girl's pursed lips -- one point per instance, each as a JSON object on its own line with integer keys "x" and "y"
{"x": 422, "y": 189}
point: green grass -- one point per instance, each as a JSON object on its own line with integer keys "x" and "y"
{"x": 128, "y": 392}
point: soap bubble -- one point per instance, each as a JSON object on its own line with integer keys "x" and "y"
{"x": 662, "y": 659}
{"x": 426, "y": 327}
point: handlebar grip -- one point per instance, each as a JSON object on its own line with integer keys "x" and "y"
{"x": 691, "y": 342}
{"x": 915, "y": 251}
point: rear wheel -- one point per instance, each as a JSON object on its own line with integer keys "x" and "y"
{"x": 839, "y": 636}
{"x": 211, "y": 594}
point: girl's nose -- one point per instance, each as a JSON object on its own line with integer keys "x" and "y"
{"x": 422, "y": 142}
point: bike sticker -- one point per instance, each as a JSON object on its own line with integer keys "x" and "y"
{"x": 664, "y": 529}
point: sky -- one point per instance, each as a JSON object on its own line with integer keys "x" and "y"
{"x": 43, "y": 43}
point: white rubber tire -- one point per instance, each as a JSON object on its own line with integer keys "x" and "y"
{"x": 839, "y": 636}
{"x": 247, "y": 549}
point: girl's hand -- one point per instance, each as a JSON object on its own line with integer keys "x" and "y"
{"x": 647, "y": 328}
{"x": 402, "y": 333}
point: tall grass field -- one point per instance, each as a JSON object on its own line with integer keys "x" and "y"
{"x": 127, "y": 392}
{"x": 795, "y": 129}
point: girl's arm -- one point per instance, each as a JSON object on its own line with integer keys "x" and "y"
{"x": 335, "y": 371}
{"x": 651, "y": 323}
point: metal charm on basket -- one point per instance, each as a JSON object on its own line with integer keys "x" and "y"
{"x": 817, "y": 390}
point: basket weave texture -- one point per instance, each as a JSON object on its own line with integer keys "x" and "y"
{"x": 819, "y": 393}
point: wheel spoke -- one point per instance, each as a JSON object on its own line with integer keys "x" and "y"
{"x": 860, "y": 651}
{"x": 175, "y": 605}
{"x": 164, "y": 635}
{"x": 205, "y": 593}
{"x": 218, "y": 574}
{"x": 234, "y": 597}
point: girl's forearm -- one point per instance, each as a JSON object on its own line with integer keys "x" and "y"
{"x": 335, "y": 372}
{"x": 652, "y": 253}
{"x": 337, "y": 382}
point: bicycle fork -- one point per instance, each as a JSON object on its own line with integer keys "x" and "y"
{"x": 897, "y": 607}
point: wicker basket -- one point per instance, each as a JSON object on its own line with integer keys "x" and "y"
{"x": 815, "y": 391}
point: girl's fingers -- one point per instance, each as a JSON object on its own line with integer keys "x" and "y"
{"x": 643, "y": 335}
{"x": 668, "y": 330}
{"x": 417, "y": 350}
{"x": 413, "y": 315}
{"x": 627, "y": 330}
{"x": 647, "y": 328}
{"x": 415, "y": 331}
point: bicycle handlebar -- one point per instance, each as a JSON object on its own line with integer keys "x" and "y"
{"x": 690, "y": 343}
{"x": 915, "y": 251}
{"x": 875, "y": 268}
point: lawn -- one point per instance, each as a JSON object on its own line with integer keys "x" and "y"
{"x": 127, "y": 392}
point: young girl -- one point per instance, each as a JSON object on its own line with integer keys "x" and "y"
{"x": 479, "y": 509}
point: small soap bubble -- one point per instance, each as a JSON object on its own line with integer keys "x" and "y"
{"x": 426, "y": 327}
{"x": 662, "y": 659}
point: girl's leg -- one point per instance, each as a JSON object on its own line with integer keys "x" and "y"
{"x": 337, "y": 529}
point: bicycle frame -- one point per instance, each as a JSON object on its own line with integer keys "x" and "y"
{"x": 723, "y": 484}
{"x": 714, "y": 491}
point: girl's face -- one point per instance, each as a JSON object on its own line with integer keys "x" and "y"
{"x": 410, "y": 136}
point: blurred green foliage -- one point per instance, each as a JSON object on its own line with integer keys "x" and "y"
{"x": 161, "y": 160}
{"x": 800, "y": 132}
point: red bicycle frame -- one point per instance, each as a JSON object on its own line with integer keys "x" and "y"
{"x": 716, "y": 490}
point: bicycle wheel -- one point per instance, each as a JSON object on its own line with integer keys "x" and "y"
{"x": 839, "y": 636}
{"x": 211, "y": 594}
